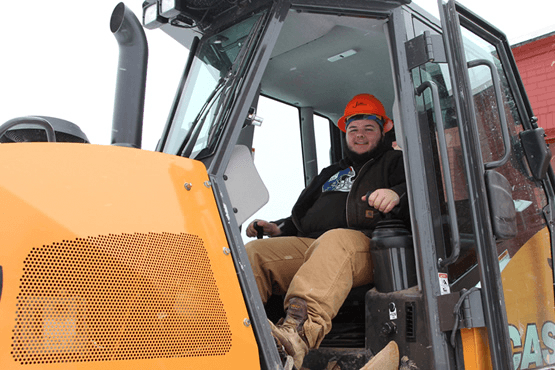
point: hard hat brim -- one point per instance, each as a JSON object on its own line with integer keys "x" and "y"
{"x": 387, "y": 126}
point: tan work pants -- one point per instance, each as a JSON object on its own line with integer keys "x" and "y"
{"x": 321, "y": 271}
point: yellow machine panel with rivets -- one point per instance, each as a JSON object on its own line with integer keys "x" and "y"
{"x": 109, "y": 261}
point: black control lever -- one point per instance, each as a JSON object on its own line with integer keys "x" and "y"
{"x": 259, "y": 230}
{"x": 394, "y": 213}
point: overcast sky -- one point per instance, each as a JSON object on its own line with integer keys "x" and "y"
{"x": 59, "y": 58}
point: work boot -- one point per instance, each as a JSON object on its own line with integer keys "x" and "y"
{"x": 386, "y": 359}
{"x": 289, "y": 331}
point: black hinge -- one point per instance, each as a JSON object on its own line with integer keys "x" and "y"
{"x": 424, "y": 49}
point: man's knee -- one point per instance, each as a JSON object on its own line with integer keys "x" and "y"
{"x": 336, "y": 233}
{"x": 349, "y": 240}
{"x": 253, "y": 249}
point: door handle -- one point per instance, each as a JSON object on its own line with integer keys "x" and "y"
{"x": 453, "y": 225}
{"x": 502, "y": 116}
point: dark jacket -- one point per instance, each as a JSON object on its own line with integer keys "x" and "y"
{"x": 386, "y": 170}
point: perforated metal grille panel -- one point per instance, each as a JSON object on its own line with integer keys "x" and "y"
{"x": 119, "y": 297}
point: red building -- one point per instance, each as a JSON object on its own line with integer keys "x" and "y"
{"x": 535, "y": 59}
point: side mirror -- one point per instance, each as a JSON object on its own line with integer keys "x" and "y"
{"x": 501, "y": 205}
{"x": 537, "y": 152}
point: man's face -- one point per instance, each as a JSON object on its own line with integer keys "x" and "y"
{"x": 363, "y": 135}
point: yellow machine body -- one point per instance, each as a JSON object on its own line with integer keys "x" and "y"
{"x": 115, "y": 258}
{"x": 528, "y": 290}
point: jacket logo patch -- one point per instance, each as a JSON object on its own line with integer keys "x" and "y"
{"x": 369, "y": 213}
{"x": 341, "y": 181}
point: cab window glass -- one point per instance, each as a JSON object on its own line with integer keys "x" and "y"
{"x": 278, "y": 159}
{"x": 323, "y": 141}
{"x": 484, "y": 96}
{"x": 198, "y": 119}
{"x": 528, "y": 194}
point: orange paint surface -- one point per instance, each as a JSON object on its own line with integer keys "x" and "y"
{"x": 110, "y": 262}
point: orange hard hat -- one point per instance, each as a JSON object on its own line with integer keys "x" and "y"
{"x": 365, "y": 104}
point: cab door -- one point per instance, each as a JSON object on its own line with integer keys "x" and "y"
{"x": 491, "y": 289}
{"x": 482, "y": 127}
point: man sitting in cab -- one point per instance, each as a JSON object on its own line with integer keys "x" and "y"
{"x": 322, "y": 251}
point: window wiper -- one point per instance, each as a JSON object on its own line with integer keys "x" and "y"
{"x": 196, "y": 126}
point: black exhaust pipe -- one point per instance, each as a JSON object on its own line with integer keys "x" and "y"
{"x": 129, "y": 102}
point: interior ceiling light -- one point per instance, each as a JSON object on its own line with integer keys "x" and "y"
{"x": 342, "y": 55}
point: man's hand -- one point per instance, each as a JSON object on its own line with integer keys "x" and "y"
{"x": 269, "y": 228}
{"x": 382, "y": 199}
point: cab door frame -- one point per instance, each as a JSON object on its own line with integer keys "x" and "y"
{"x": 529, "y": 120}
{"x": 493, "y": 298}
{"x": 453, "y": 17}
{"x": 412, "y": 134}
{"x": 269, "y": 357}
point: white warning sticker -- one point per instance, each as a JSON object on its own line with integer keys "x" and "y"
{"x": 443, "y": 283}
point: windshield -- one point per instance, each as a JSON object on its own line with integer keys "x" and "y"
{"x": 194, "y": 126}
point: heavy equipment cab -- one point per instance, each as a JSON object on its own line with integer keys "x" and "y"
{"x": 265, "y": 83}
{"x": 461, "y": 118}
